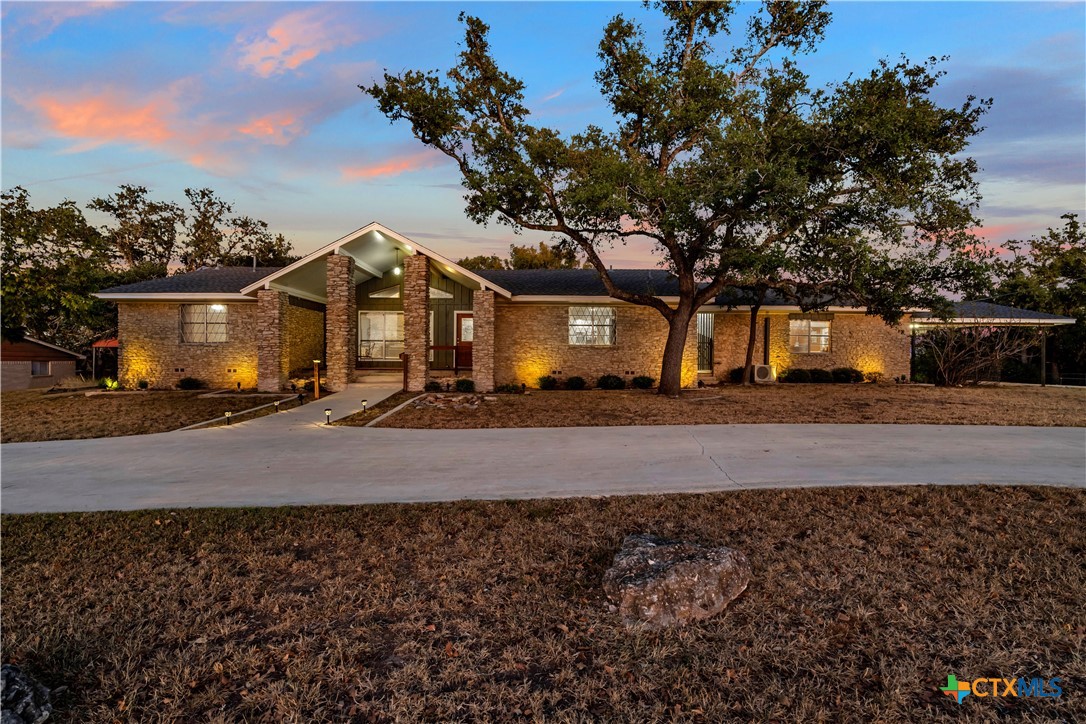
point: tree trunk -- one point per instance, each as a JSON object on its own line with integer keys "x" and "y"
{"x": 752, "y": 337}
{"x": 671, "y": 370}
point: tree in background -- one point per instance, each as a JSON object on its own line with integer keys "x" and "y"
{"x": 143, "y": 234}
{"x": 545, "y": 256}
{"x": 718, "y": 153}
{"x": 53, "y": 262}
{"x": 1048, "y": 274}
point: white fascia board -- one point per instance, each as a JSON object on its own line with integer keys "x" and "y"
{"x": 569, "y": 299}
{"x": 410, "y": 246}
{"x": 176, "y": 297}
{"x": 990, "y": 321}
{"x": 297, "y": 293}
{"x": 769, "y": 309}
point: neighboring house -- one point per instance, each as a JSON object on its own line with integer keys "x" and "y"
{"x": 375, "y": 300}
{"x": 31, "y": 363}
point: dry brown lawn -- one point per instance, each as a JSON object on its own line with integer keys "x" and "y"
{"x": 861, "y": 603}
{"x": 31, "y": 416}
{"x": 732, "y": 404}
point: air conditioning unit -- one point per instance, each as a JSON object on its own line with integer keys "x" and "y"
{"x": 764, "y": 374}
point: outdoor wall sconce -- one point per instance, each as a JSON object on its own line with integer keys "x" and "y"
{"x": 228, "y": 414}
{"x": 327, "y": 416}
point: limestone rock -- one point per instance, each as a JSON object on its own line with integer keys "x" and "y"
{"x": 662, "y": 583}
{"x": 25, "y": 701}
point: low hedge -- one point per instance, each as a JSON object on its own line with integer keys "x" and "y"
{"x": 840, "y": 375}
{"x": 642, "y": 382}
{"x": 547, "y": 382}
{"x": 576, "y": 383}
{"x": 611, "y": 382}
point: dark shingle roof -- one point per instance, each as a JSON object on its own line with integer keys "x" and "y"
{"x": 581, "y": 282}
{"x": 220, "y": 280}
{"x": 988, "y": 310}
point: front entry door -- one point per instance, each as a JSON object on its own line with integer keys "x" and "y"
{"x": 465, "y": 333}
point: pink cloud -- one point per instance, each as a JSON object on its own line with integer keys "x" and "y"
{"x": 292, "y": 40}
{"x": 154, "y": 122}
{"x": 277, "y": 129}
{"x": 393, "y": 166}
{"x": 45, "y": 17}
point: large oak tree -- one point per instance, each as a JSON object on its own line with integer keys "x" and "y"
{"x": 721, "y": 152}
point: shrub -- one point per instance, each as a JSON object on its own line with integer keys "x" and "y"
{"x": 108, "y": 383}
{"x": 508, "y": 389}
{"x": 1015, "y": 370}
{"x": 611, "y": 382}
{"x": 796, "y": 376}
{"x": 820, "y": 375}
{"x": 308, "y": 387}
{"x": 736, "y": 375}
{"x": 195, "y": 383}
{"x": 846, "y": 375}
{"x": 432, "y": 386}
{"x": 546, "y": 382}
{"x": 575, "y": 383}
{"x": 642, "y": 382}
{"x": 874, "y": 377}
{"x": 143, "y": 384}
{"x": 465, "y": 385}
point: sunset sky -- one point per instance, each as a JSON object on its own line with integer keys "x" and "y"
{"x": 259, "y": 101}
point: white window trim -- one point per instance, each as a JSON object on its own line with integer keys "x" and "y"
{"x": 807, "y": 336}
{"x": 205, "y": 340}
{"x": 613, "y": 319}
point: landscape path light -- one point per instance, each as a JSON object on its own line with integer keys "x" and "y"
{"x": 316, "y": 379}
{"x": 328, "y": 416}
{"x": 228, "y": 414}
{"x": 363, "y": 405}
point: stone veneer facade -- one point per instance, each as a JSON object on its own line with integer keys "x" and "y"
{"x": 305, "y": 334}
{"x": 340, "y": 322}
{"x": 273, "y": 349}
{"x": 151, "y": 348}
{"x": 533, "y": 340}
{"x": 856, "y": 340}
{"x": 416, "y": 320}
{"x": 482, "y": 346}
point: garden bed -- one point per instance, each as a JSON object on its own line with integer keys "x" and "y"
{"x": 733, "y": 404}
{"x": 862, "y": 602}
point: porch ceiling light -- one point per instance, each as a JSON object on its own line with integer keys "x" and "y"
{"x": 397, "y": 271}
{"x": 217, "y": 307}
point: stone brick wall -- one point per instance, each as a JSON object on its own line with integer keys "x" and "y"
{"x": 482, "y": 347}
{"x": 416, "y": 320}
{"x": 305, "y": 334}
{"x": 533, "y": 340}
{"x": 340, "y": 322}
{"x": 856, "y": 340}
{"x": 151, "y": 348}
{"x": 271, "y": 340}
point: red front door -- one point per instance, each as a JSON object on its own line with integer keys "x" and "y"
{"x": 465, "y": 333}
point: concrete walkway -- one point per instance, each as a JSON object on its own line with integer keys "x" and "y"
{"x": 280, "y": 460}
{"x": 342, "y": 404}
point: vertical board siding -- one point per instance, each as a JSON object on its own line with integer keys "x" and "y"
{"x": 444, "y": 331}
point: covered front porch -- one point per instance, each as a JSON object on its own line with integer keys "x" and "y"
{"x": 387, "y": 304}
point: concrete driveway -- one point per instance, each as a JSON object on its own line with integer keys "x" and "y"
{"x": 304, "y": 462}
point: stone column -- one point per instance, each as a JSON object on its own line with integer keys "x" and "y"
{"x": 416, "y": 320}
{"x": 272, "y": 352}
{"x": 340, "y": 323}
{"x": 482, "y": 348}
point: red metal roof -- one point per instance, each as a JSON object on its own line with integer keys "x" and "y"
{"x": 106, "y": 343}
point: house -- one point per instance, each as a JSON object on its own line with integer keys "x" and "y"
{"x": 376, "y": 300}
{"x": 31, "y": 363}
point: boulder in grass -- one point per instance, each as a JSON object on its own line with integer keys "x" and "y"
{"x": 24, "y": 701}
{"x": 660, "y": 583}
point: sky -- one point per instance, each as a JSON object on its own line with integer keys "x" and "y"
{"x": 259, "y": 101}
